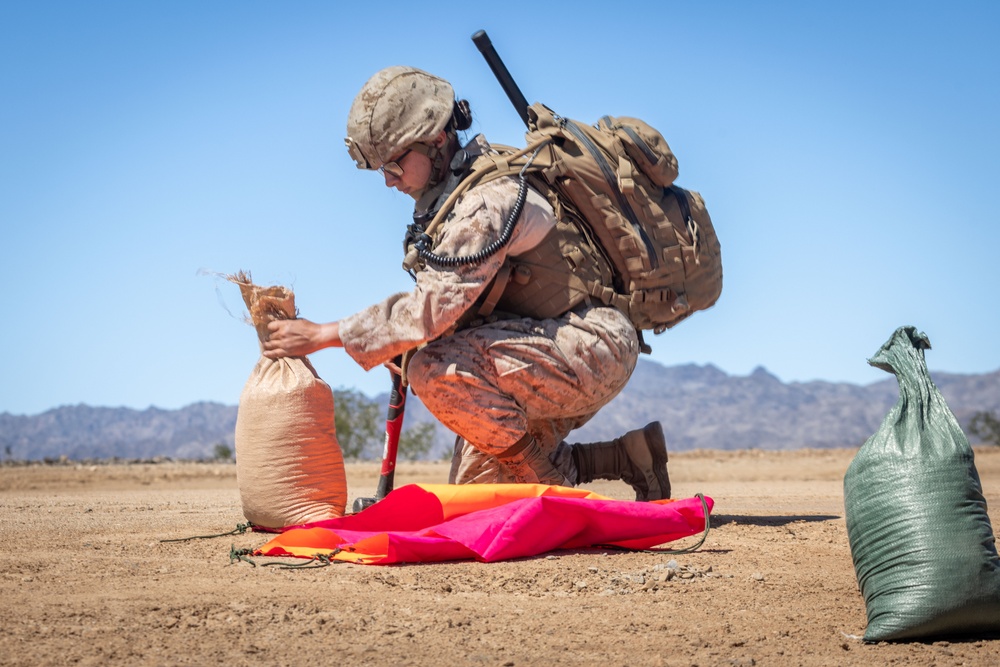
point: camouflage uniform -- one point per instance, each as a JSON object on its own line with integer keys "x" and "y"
{"x": 496, "y": 382}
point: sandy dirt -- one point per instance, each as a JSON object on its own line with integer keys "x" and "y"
{"x": 86, "y": 580}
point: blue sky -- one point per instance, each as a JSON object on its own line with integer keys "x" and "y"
{"x": 847, "y": 153}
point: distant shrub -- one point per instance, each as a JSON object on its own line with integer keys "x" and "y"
{"x": 415, "y": 442}
{"x": 986, "y": 427}
{"x": 223, "y": 452}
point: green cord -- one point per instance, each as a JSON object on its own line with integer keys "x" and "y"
{"x": 240, "y": 554}
{"x": 315, "y": 561}
{"x": 240, "y": 529}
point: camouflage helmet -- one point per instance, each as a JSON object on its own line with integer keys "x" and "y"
{"x": 397, "y": 107}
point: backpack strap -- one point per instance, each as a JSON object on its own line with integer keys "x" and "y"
{"x": 489, "y": 303}
{"x": 486, "y": 168}
{"x": 681, "y": 195}
{"x": 489, "y": 168}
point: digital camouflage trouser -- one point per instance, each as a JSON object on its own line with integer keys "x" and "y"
{"x": 494, "y": 383}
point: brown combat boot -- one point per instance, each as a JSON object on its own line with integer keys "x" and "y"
{"x": 639, "y": 458}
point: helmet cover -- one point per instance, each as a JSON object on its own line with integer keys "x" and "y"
{"x": 397, "y": 107}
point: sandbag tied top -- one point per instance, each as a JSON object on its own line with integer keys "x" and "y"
{"x": 920, "y": 536}
{"x": 265, "y": 304}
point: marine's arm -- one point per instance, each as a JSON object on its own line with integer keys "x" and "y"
{"x": 297, "y": 338}
{"x": 441, "y": 296}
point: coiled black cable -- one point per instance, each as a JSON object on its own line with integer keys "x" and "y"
{"x": 423, "y": 240}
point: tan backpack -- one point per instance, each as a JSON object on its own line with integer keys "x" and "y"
{"x": 617, "y": 176}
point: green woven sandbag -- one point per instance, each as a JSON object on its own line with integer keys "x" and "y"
{"x": 920, "y": 537}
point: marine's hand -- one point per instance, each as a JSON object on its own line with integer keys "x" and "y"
{"x": 297, "y": 338}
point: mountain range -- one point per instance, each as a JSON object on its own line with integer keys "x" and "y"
{"x": 701, "y": 407}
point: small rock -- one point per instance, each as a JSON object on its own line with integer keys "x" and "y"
{"x": 757, "y": 576}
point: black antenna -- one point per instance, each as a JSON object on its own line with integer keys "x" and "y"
{"x": 485, "y": 46}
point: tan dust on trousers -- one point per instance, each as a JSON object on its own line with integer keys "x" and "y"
{"x": 494, "y": 383}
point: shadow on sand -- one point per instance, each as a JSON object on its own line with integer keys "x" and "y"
{"x": 722, "y": 519}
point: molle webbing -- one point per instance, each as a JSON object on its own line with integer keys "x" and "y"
{"x": 557, "y": 275}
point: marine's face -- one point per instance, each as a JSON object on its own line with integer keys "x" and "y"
{"x": 408, "y": 172}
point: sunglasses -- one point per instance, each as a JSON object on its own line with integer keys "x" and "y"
{"x": 393, "y": 167}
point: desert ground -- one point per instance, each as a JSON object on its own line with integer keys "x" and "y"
{"x": 86, "y": 580}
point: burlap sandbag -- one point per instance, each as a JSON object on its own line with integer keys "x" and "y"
{"x": 289, "y": 465}
{"x": 921, "y": 539}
